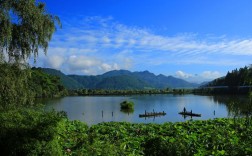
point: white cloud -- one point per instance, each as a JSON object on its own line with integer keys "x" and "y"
{"x": 96, "y": 44}
{"x": 55, "y": 61}
{"x": 211, "y": 74}
{"x": 104, "y": 32}
{"x": 81, "y": 51}
{"x": 198, "y": 78}
{"x": 82, "y": 62}
{"x": 107, "y": 67}
{"x": 182, "y": 74}
{"x": 89, "y": 65}
{"x": 105, "y": 39}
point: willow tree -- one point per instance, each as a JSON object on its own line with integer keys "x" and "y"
{"x": 25, "y": 28}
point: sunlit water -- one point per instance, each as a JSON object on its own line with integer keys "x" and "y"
{"x": 96, "y": 109}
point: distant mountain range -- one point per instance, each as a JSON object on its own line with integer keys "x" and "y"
{"x": 120, "y": 79}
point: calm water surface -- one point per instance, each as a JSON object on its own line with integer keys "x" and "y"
{"x": 89, "y": 108}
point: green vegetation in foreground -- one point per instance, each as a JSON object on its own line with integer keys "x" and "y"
{"x": 35, "y": 132}
{"x": 127, "y": 105}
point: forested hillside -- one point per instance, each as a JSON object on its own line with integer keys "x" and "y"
{"x": 120, "y": 79}
{"x": 67, "y": 81}
{"x": 45, "y": 85}
{"x": 122, "y": 82}
{"x": 235, "y": 82}
{"x": 241, "y": 77}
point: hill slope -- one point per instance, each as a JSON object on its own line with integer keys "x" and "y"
{"x": 162, "y": 81}
{"x": 66, "y": 81}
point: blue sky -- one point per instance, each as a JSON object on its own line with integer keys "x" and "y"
{"x": 190, "y": 39}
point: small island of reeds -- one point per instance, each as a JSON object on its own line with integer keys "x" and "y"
{"x": 127, "y": 105}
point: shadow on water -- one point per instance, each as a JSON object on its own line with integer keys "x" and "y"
{"x": 236, "y": 105}
{"x": 127, "y": 111}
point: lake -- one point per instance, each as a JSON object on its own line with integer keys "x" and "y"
{"x": 96, "y": 109}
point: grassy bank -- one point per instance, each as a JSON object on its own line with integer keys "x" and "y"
{"x": 33, "y": 132}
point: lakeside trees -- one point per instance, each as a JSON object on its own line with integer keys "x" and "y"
{"x": 25, "y": 28}
{"x": 14, "y": 86}
{"x": 44, "y": 85}
{"x": 235, "y": 82}
{"x": 89, "y": 92}
{"x": 241, "y": 77}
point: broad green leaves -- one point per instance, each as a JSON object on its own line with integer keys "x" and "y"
{"x": 45, "y": 133}
{"x": 212, "y": 137}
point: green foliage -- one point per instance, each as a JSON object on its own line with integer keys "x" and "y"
{"x": 14, "y": 86}
{"x": 241, "y": 77}
{"x": 29, "y": 132}
{"x": 35, "y": 132}
{"x": 83, "y": 92}
{"x": 19, "y": 85}
{"x": 45, "y": 85}
{"x": 233, "y": 81}
{"x": 127, "y": 105}
{"x": 159, "y": 146}
{"x": 72, "y": 137}
{"x": 212, "y": 137}
{"x": 25, "y": 28}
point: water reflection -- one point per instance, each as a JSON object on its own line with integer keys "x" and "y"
{"x": 93, "y": 110}
{"x": 236, "y": 105}
{"x": 127, "y": 111}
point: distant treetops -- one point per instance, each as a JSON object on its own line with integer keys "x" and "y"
{"x": 241, "y": 77}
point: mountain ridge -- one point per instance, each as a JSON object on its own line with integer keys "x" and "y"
{"x": 121, "y": 79}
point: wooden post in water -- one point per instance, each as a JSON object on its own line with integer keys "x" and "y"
{"x": 112, "y": 114}
{"x": 102, "y": 113}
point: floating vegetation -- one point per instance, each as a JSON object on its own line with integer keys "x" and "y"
{"x": 127, "y": 105}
